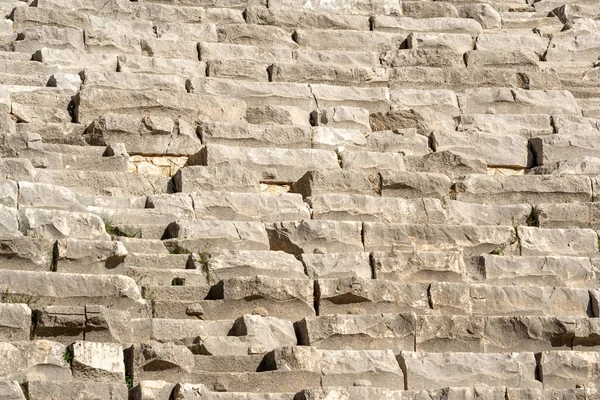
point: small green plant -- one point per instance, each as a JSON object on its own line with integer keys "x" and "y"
{"x": 68, "y": 357}
{"x": 178, "y": 281}
{"x": 177, "y": 249}
{"x": 32, "y": 233}
{"x": 203, "y": 259}
{"x": 114, "y": 230}
{"x": 129, "y": 381}
{"x": 496, "y": 252}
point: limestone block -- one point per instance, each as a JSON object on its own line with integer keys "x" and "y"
{"x": 419, "y": 266}
{"x": 105, "y": 325}
{"x": 37, "y": 37}
{"x": 97, "y": 361}
{"x": 77, "y": 389}
{"x": 410, "y": 185}
{"x": 524, "y": 60}
{"x": 340, "y": 75}
{"x": 15, "y": 322}
{"x": 354, "y": 332}
{"x": 343, "y": 117}
{"x": 372, "y": 161}
{"x": 456, "y": 42}
{"x": 272, "y": 164}
{"x": 337, "y": 265}
{"x": 567, "y": 242}
{"x": 195, "y": 178}
{"x": 371, "y": 99}
{"x": 57, "y": 224}
{"x": 450, "y": 333}
{"x": 318, "y": 182}
{"x": 227, "y": 51}
{"x": 439, "y": 25}
{"x": 485, "y": 14}
{"x": 568, "y": 370}
{"x": 453, "y": 164}
{"x": 199, "y": 235}
{"x": 541, "y": 270}
{"x": 255, "y": 35}
{"x": 152, "y": 390}
{"x": 62, "y": 324}
{"x": 523, "y": 189}
{"x": 249, "y": 207}
{"x": 264, "y": 334}
{"x": 565, "y": 215}
{"x": 525, "y": 125}
{"x": 459, "y": 213}
{"x": 155, "y": 65}
{"x": 278, "y": 115}
{"x": 234, "y": 263}
{"x": 346, "y": 40}
{"x": 342, "y": 367}
{"x": 517, "y": 101}
{"x": 560, "y": 147}
{"x": 335, "y": 138}
{"x": 434, "y": 370}
{"x": 191, "y": 107}
{"x": 471, "y": 239}
{"x": 370, "y": 296}
{"x": 510, "y": 41}
{"x": 34, "y": 360}
{"x": 249, "y": 135}
{"x": 166, "y": 358}
{"x": 501, "y": 150}
{"x": 289, "y": 19}
{"x": 312, "y": 236}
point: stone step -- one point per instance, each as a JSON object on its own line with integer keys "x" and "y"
{"x": 135, "y": 64}
{"x": 516, "y": 370}
{"x": 129, "y": 80}
{"x": 52, "y": 288}
{"x": 565, "y": 215}
{"x": 38, "y": 389}
{"x": 242, "y": 52}
{"x": 304, "y": 72}
{"x": 91, "y": 102}
{"x": 526, "y": 125}
{"x": 407, "y": 25}
{"x": 91, "y": 183}
{"x": 530, "y": 189}
{"x": 561, "y": 147}
{"x": 238, "y": 263}
{"x": 291, "y": 19}
{"x": 197, "y": 178}
{"x": 41, "y": 360}
{"x": 347, "y": 40}
{"x": 252, "y": 135}
{"x": 272, "y": 164}
{"x": 337, "y": 57}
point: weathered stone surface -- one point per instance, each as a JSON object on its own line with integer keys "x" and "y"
{"x": 565, "y": 215}
{"x": 317, "y": 182}
{"x": 523, "y": 189}
{"x": 248, "y": 135}
{"x": 15, "y": 322}
{"x": 367, "y": 332}
{"x": 34, "y": 360}
{"x": 198, "y": 235}
{"x": 230, "y": 264}
{"x": 410, "y": 185}
{"x": 370, "y": 296}
{"x": 47, "y": 288}
{"x": 196, "y": 178}
{"x": 419, "y": 266}
{"x": 526, "y": 125}
{"x": 342, "y": 367}
{"x": 450, "y": 333}
{"x": 343, "y": 117}
{"x": 315, "y": 236}
{"x": 568, "y": 242}
{"x": 505, "y": 150}
{"x": 145, "y": 135}
{"x": 319, "y": 39}
{"x": 55, "y": 224}
{"x": 434, "y": 370}
{"x": 192, "y": 107}
{"x": 480, "y": 299}
{"x": 453, "y": 164}
{"x": 543, "y": 270}
{"x": 470, "y": 239}
{"x": 337, "y": 265}
{"x": 249, "y": 207}
{"x": 76, "y": 389}
{"x": 568, "y": 370}
{"x": 97, "y": 361}
{"x": 372, "y": 161}
{"x": 554, "y": 148}
{"x": 272, "y": 164}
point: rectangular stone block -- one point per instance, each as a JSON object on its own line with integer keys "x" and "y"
{"x": 235, "y": 263}
{"x": 450, "y": 333}
{"x": 472, "y": 240}
{"x": 200, "y": 235}
{"x": 312, "y": 236}
{"x": 370, "y": 296}
{"x": 250, "y": 135}
{"x": 419, "y": 266}
{"x": 318, "y": 39}
{"x": 567, "y": 242}
{"x": 435, "y": 370}
{"x": 414, "y": 184}
{"x": 337, "y": 265}
{"x": 197, "y": 178}
{"x": 523, "y": 189}
{"x": 568, "y": 370}
{"x": 318, "y": 182}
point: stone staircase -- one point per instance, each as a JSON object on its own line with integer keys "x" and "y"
{"x": 299, "y": 200}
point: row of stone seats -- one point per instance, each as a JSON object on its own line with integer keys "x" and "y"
{"x": 292, "y": 368}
